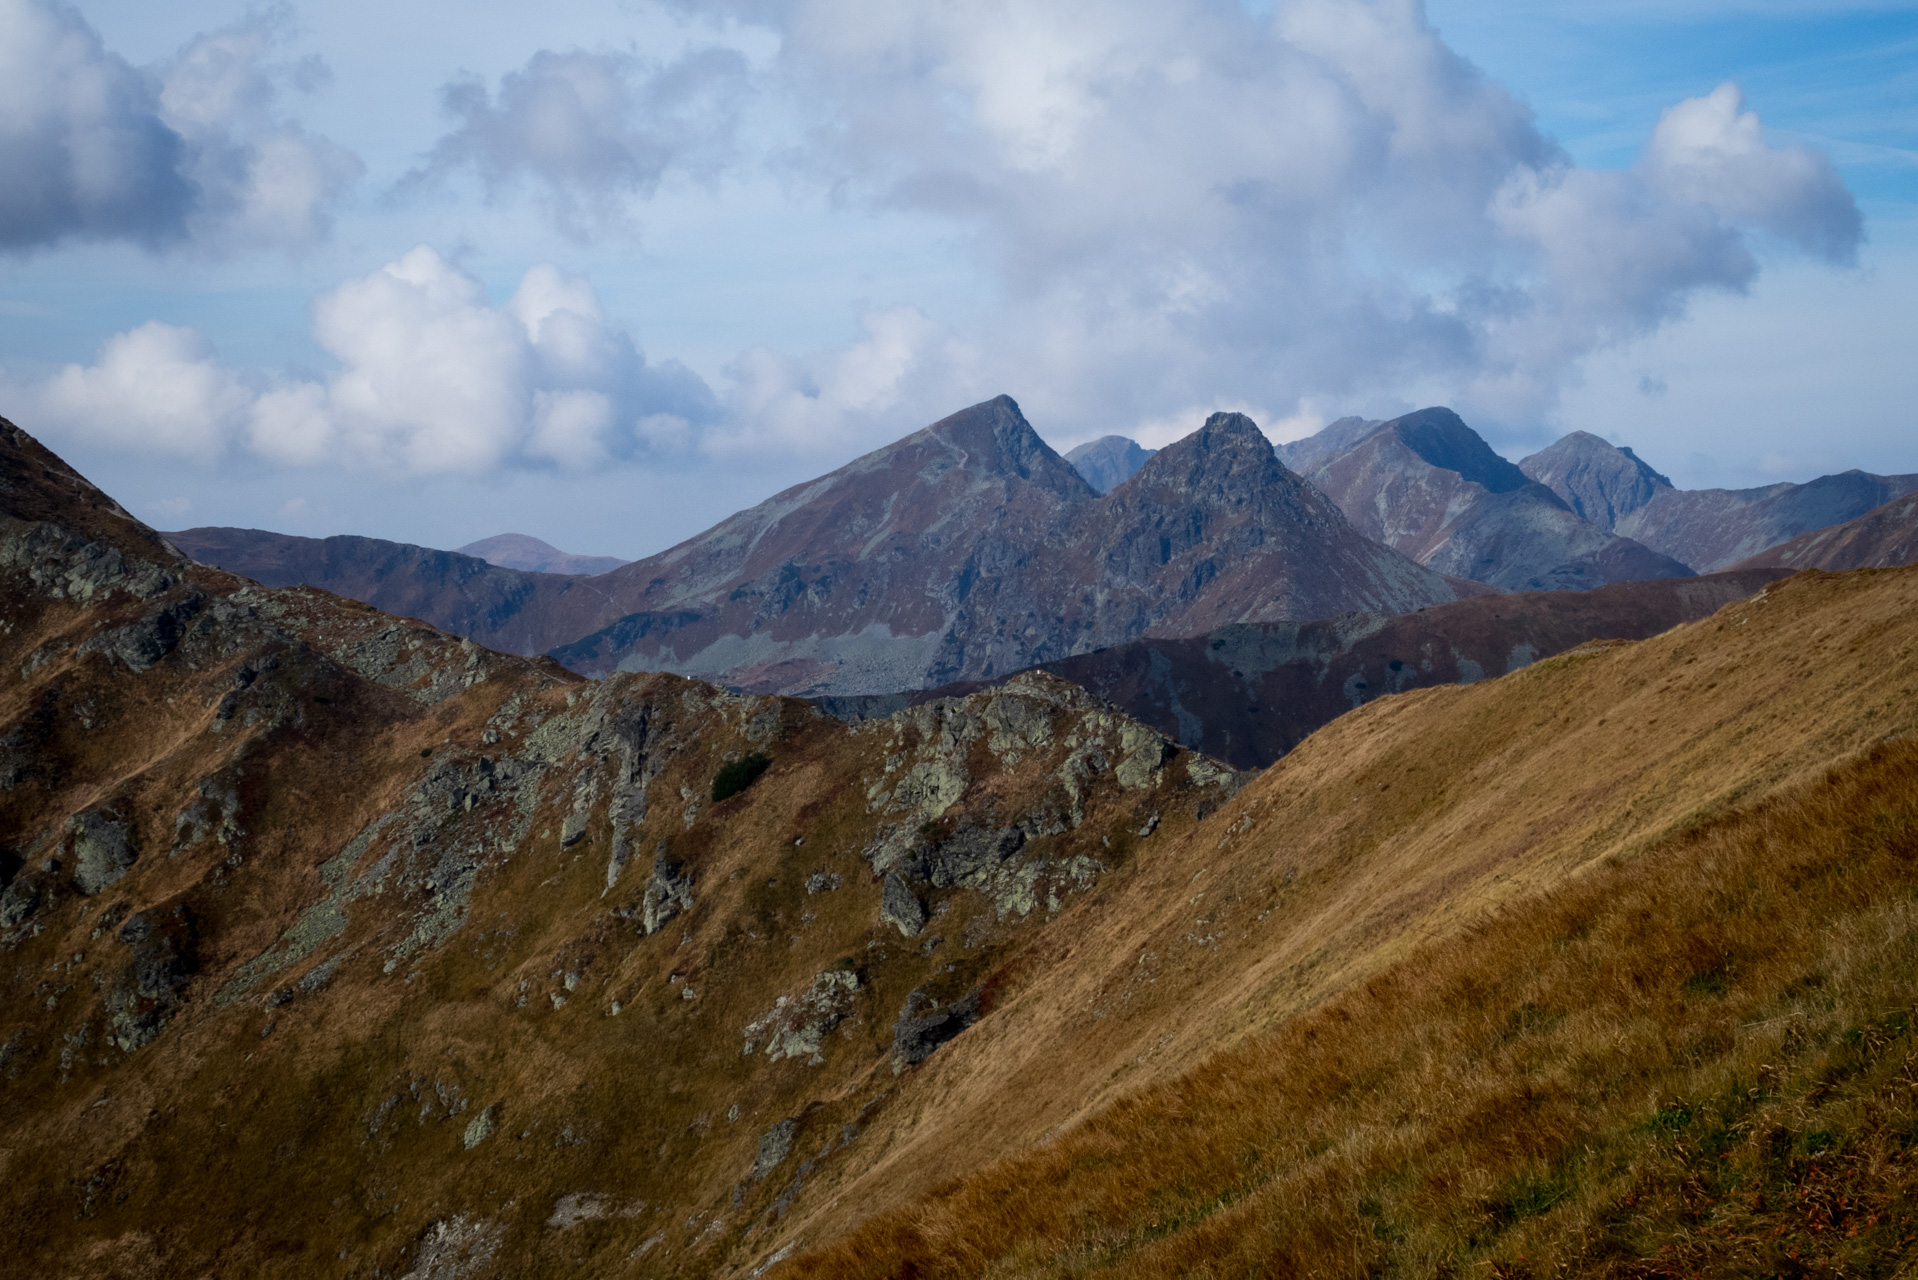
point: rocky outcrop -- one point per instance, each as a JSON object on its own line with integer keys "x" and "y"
{"x": 1429, "y": 486}
{"x": 925, "y": 1024}
{"x": 1708, "y": 529}
{"x": 1109, "y": 461}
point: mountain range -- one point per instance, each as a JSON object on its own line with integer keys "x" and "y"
{"x": 1708, "y": 529}
{"x": 339, "y": 944}
{"x": 970, "y": 550}
{"x": 967, "y": 550}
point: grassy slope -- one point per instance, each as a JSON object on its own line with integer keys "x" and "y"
{"x": 1457, "y": 953}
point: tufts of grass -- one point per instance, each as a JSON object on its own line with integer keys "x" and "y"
{"x": 1698, "y": 1062}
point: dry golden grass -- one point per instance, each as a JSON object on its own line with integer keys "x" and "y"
{"x": 1696, "y": 1062}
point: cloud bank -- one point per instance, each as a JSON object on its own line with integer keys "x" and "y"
{"x": 190, "y": 151}
{"x": 1174, "y": 205}
{"x": 432, "y": 379}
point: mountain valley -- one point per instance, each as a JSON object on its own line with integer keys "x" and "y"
{"x": 340, "y": 944}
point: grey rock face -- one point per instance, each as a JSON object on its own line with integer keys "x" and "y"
{"x": 796, "y": 1026}
{"x": 774, "y": 1146}
{"x": 1427, "y": 485}
{"x": 480, "y": 1127}
{"x": 923, "y": 1025}
{"x": 1600, "y": 481}
{"x": 102, "y": 850}
{"x": 900, "y": 907}
{"x": 668, "y": 892}
{"x": 1109, "y": 461}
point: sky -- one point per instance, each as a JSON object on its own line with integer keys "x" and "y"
{"x": 608, "y": 271}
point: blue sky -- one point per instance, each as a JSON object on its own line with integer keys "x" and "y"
{"x": 377, "y": 282}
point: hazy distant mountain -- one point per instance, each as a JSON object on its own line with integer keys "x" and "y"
{"x": 522, "y": 551}
{"x": 1883, "y": 538}
{"x": 971, "y": 549}
{"x": 509, "y": 609}
{"x": 1314, "y": 451}
{"x": 1429, "y": 486}
{"x": 1707, "y": 529}
{"x": 1109, "y": 461}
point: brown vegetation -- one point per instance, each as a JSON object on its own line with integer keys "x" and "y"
{"x": 1696, "y": 1061}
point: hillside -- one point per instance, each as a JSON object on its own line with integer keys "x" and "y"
{"x": 509, "y": 609}
{"x": 1248, "y": 693}
{"x": 342, "y": 946}
{"x": 1427, "y": 485}
{"x": 1708, "y": 529}
{"x": 317, "y": 921}
{"x": 1883, "y": 538}
{"x": 1599, "y": 968}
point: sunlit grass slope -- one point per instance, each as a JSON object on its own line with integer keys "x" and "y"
{"x": 1607, "y": 967}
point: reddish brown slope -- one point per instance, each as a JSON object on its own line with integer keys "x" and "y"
{"x": 1882, "y": 538}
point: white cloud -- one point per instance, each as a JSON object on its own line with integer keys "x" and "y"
{"x": 432, "y": 379}
{"x": 188, "y": 151}
{"x": 155, "y": 389}
{"x": 1184, "y": 202}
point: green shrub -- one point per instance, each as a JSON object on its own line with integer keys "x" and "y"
{"x": 736, "y": 775}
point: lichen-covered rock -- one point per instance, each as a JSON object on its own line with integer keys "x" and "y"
{"x": 103, "y": 851}
{"x": 668, "y": 892}
{"x": 480, "y": 1127}
{"x": 796, "y": 1026}
{"x": 774, "y": 1146}
{"x": 165, "y": 956}
{"x": 924, "y": 1024}
{"x": 900, "y": 907}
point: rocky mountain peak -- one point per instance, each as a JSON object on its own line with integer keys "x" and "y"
{"x": 993, "y": 439}
{"x": 1601, "y": 481}
{"x": 1441, "y": 438}
{"x": 1216, "y": 462}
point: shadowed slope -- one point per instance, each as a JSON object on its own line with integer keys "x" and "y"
{"x": 1884, "y": 537}
{"x": 1427, "y": 485}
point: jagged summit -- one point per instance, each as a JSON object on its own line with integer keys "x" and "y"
{"x": 970, "y": 548}
{"x": 1601, "y": 481}
{"x": 1442, "y": 439}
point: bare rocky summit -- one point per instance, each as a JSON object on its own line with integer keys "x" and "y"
{"x": 1109, "y": 461}
{"x": 522, "y": 551}
{"x": 967, "y": 550}
{"x": 1427, "y": 485}
{"x": 970, "y": 550}
{"x": 1708, "y": 529}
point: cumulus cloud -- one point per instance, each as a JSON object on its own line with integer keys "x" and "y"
{"x": 1182, "y": 200}
{"x": 432, "y": 379}
{"x": 190, "y": 150}
{"x": 591, "y": 131}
